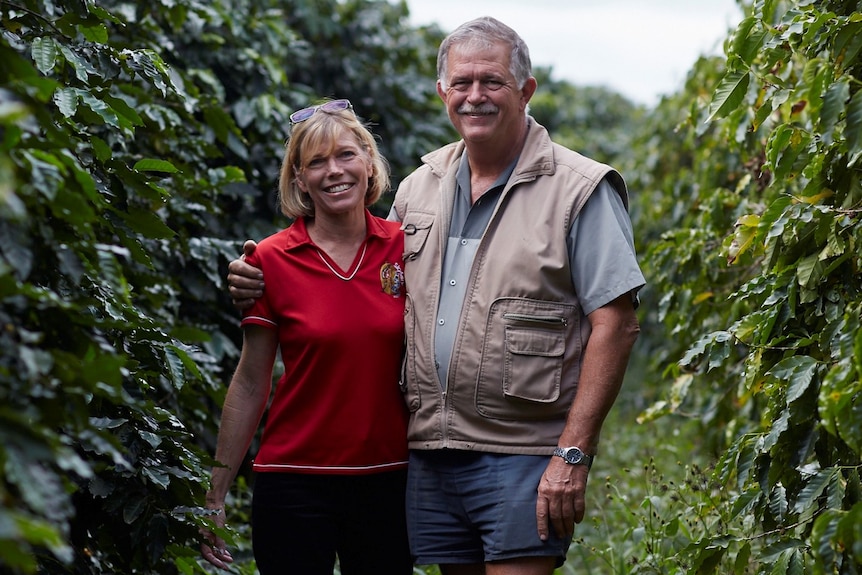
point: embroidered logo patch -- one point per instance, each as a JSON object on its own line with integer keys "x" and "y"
{"x": 392, "y": 279}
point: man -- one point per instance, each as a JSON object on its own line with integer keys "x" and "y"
{"x": 522, "y": 280}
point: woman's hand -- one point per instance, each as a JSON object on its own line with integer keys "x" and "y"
{"x": 213, "y": 549}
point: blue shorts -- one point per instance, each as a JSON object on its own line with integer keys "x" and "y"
{"x": 465, "y": 507}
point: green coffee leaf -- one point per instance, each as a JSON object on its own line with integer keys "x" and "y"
{"x": 729, "y": 94}
{"x": 44, "y": 53}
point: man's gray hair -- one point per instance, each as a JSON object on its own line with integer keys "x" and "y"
{"x": 485, "y": 32}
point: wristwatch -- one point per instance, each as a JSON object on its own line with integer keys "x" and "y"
{"x": 574, "y": 456}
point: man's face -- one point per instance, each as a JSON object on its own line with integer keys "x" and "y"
{"x": 481, "y": 96}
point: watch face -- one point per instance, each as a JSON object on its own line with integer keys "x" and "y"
{"x": 574, "y": 455}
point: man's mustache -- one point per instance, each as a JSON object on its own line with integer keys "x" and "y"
{"x": 486, "y": 108}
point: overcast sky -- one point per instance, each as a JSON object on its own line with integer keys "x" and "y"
{"x": 640, "y": 48}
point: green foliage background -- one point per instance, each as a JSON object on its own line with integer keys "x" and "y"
{"x": 139, "y": 145}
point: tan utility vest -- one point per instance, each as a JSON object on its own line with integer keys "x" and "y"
{"x": 517, "y": 355}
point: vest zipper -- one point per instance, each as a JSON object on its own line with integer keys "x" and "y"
{"x": 549, "y": 319}
{"x": 444, "y": 424}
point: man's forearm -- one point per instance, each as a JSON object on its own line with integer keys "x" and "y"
{"x": 614, "y": 332}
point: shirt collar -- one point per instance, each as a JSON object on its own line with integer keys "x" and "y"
{"x": 462, "y": 177}
{"x": 297, "y": 234}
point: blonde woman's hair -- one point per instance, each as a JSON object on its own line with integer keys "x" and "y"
{"x": 321, "y": 132}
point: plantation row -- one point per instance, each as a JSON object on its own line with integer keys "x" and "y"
{"x": 140, "y": 146}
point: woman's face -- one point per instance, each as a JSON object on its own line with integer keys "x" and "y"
{"x": 336, "y": 176}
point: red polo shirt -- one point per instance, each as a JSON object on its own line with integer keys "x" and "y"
{"x": 337, "y": 408}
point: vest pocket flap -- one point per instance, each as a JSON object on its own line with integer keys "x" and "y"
{"x": 531, "y": 341}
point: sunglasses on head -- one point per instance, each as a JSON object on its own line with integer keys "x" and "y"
{"x": 331, "y": 106}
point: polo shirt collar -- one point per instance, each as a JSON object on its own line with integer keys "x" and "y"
{"x": 297, "y": 234}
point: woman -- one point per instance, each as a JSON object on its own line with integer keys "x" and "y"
{"x": 331, "y": 468}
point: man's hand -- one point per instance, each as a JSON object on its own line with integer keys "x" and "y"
{"x": 561, "y": 498}
{"x": 245, "y": 282}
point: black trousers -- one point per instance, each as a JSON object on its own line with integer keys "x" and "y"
{"x": 300, "y": 523}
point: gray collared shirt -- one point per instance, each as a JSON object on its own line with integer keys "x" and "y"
{"x": 467, "y": 227}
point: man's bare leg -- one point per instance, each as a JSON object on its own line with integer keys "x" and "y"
{"x": 471, "y": 569}
{"x": 521, "y": 566}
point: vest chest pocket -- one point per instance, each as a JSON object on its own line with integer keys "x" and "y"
{"x": 416, "y": 227}
{"x": 521, "y": 376}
